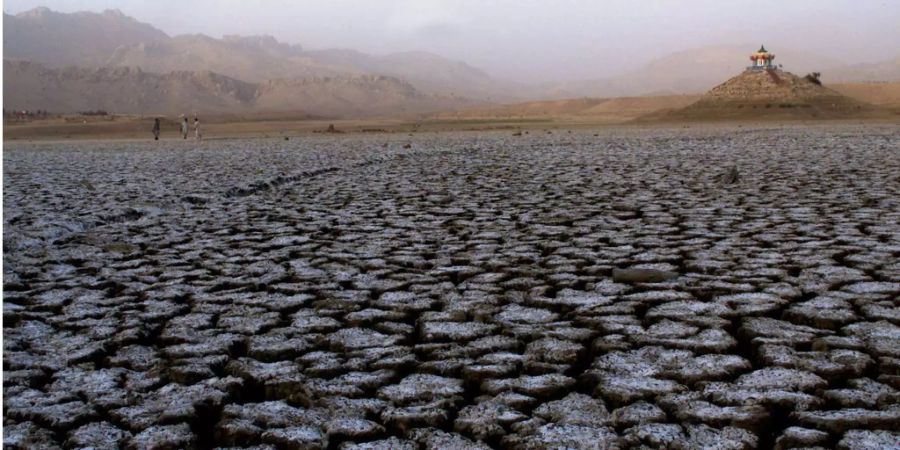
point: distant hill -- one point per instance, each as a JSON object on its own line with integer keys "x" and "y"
{"x": 770, "y": 94}
{"x": 426, "y": 71}
{"x": 350, "y": 96}
{"x": 881, "y": 94}
{"x": 254, "y": 59}
{"x": 691, "y": 71}
{"x": 884, "y": 71}
{"x": 32, "y": 86}
{"x": 78, "y": 39}
{"x": 112, "y": 39}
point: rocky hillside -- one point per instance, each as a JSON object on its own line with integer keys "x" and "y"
{"x": 349, "y": 96}
{"x": 426, "y": 71}
{"x": 254, "y": 59}
{"x": 767, "y": 85}
{"x": 121, "y": 89}
{"x": 32, "y": 86}
{"x": 78, "y": 39}
{"x": 773, "y": 94}
{"x": 112, "y": 39}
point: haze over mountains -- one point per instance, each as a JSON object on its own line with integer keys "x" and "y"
{"x": 112, "y": 39}
{"x": 128, "y": 66}
{"x": 132, "y": 90}
{"x": 698, "y": 70}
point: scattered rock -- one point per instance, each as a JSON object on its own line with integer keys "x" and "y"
{"x": 642, "y": 275}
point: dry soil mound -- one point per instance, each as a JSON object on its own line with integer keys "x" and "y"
{"x": 771, "y": 94}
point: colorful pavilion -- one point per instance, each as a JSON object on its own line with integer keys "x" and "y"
{"x": 762, "y": 59}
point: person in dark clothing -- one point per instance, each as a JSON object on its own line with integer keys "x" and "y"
{"x": 156, "y": 129}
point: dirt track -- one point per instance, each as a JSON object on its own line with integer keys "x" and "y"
{"x": 339, "y": 290}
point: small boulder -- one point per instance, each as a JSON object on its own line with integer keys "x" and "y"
{"x": 642, "y": 275}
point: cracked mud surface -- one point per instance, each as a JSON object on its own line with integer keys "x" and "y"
{"x": 346, "y": 292}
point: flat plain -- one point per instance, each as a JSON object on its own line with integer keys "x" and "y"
{"x": 456, "y": 290}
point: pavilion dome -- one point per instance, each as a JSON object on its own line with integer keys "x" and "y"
{"x": 762, "y": 54}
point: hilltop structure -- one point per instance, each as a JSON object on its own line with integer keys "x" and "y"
{"x": 764, "y": 91}
{"x": 762, "y": 59}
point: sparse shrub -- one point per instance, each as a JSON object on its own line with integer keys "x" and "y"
{"x": 814, "y": 78}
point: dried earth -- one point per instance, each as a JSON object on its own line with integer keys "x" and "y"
{"x": 449, "y": 291}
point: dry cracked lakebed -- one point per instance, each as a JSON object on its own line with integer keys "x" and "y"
{"x": 729, "y": 288}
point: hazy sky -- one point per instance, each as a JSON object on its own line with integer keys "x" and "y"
{"x": 531, "y": 40}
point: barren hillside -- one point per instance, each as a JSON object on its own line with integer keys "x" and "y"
{"x": 771, "y": 94}
{"x": 254, "y": 59}
{"x": 122, "y": 90}
{"x": 32, "y": 86}
{"x": 113, "y": 39}
{"x": 349, "y": 96}
{"x": 78, "y": 39}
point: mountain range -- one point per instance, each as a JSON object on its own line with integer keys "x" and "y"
{"x": 70, "y": 62}
{"x": 111, "y": 39}
{"x": 132, "y": 90}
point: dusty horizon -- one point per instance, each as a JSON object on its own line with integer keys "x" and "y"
{"x": 532, "y": 42}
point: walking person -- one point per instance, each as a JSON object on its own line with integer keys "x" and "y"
{"x": 156, "y": 129}
{"x": 197, "y": 134}
{"x": 184, "y": 127}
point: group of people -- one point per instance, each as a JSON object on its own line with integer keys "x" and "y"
{"x": 184, "y": 128}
